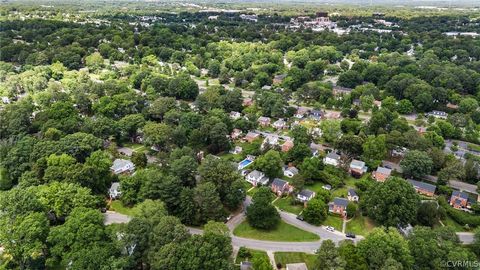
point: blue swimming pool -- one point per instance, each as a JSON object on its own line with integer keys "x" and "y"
{"x": 244, "y": 163}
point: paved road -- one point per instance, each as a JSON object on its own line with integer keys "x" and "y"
{"x": 456, "y": 184}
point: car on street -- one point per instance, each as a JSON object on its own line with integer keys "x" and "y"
{"x": 330, "y": 228}
{"x": 350, "y": 235}
{"x": 299, "y": 217}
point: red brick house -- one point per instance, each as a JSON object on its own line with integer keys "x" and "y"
{"x": 338, "y": 206}
{"x": 287, "y": 145}
{"x": 459, "y": 199}
{"x": 423, "y": 188}
{"x": 281, "y": 187}
{"x": 381, "y": 174}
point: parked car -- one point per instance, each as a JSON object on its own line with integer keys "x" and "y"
{"x": 350, "y": 235}
{"x": 330, "y": 229}
{"x": 299, "y": 217}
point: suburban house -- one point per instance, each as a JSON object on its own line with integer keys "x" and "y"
{"x": 280, "y": 124}
{"x": 339, "y": 90}
{"x": 122, "y": 166}
{"x": 290, "y": 171}
{"x": 281, "y": 187}
{"x": 332, "y": 158}
{"x": 247, "y": 102}
{"x": 235, "y": 133}
{"x": 332, "y": 115}
{"x": 459, "y": 199}
{"x": 287, "y": 145}
{"x": 301, "y": 112}
{"x": 438, "y": 114}
{"x": 296, "y": 266}
{"x": 305, "y": 195}
{"x": 452, "y": 106}
{"x": 316, "y": 114}
{"x": 423, "y": 188}
{"x": 251, "y": 136}
{"x": 256, "y": 177}
{"x": 235, "y": 115}
{"x": 236, "y": 150}
{"x": 357, "y": 168}
{"x": 278, "y": 79}
{"x": 264, "y": 121}
{"x": 352, "y": 195}
{"x": 338, "y": 206}
{"x": 270, "y": 140}
{"x": 381, "y": 174}
{"x": 114, "y": 191}
{"x": 316, "y": 149}
{"x": 327, "y": 187}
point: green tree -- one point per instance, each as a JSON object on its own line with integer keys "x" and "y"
{"x": 271, "y": 164}
{"x": 350, "y": 78}
{"x": 208, "y": 203}
{"x": 468, "y": 105}
{"x": 416, "y": 164}
{"x": 331, "y": 130}
{"x": 311, "y": 168}
{"x": 349, "y": 253}
{"x": 392, "y": 203}
{"x": 328, "y": 257}
{"x": 139, "y": 159}
{"x": 380, "y": 245}
{"x": 375, "y": 150}
{"x": 261, "y": 214}
{"x": 428, "y": 214}
{"x": 316, "y": 211}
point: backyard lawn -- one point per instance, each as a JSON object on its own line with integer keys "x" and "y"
{"x": 448, "y": 221}
{"x": 334, "y": 221}
{"x": 360, "y": 225}
{"x": 285, "y": 204}
{"x": 284, "y": 233}
{"x": 295, "y": 257}
{"x": 136, "y": 147}
{"x": 118, "y": 207}
{"x": 254, "y": 253}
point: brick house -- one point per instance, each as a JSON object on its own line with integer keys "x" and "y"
{"x": 338, "y": 206}
{"x": 264, "y": 121}
{"x": 251, "y": 136}
{"x": 281, "y": 187}
{"x": 459, "y": 199}
{"x": 381, "y": 174}
{"x": 357, "y": 168}
{"x": 423, "y": 188}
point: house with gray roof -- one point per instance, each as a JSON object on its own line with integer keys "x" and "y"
{"x": 305, "y": 195}
{"x": 352, "y": 195}
{"x": 338, "y": 206}
{"x": 332, "y": 158}
{"x": 459, "y": 199}
{"x": 114, "y": 191}
{"x": 381, "y": 174}
{"x": 357, "y": 168}
{"x": 423, "y": 188}
{"x": 121, "y": 166}
{"x": 281, "y": 187}
{"x": 290, "y": 171}
{"x": 257, "y": 177}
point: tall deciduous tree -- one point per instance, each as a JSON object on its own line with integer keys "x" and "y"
{"x": 261, "y": 214}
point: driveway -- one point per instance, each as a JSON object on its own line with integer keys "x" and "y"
{"x": 112, "y": 217}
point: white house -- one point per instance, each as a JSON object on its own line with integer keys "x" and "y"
{"x": 290, "y": 171}
{"x": 255, "y": 177}
{"x": 332, "y": 158}
{"x": 237, "y": 150}
{"x": 352, "y": 195}
{"x": 271, "y": 140}
{"x": 357, "y": 167}
{"x": 280, "y": 124}
{"x": 438, "y": 114}
{"x": 305, "y": 195}
{"x": 122, "y": 166}
{"x": 235, "y": 115}
{"x": 114, "y": 191}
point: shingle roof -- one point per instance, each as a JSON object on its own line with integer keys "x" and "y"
{"x": 340, "y": 201}
{"x": 357, "y": 163}
{"x": 306, "y": 193}
{"x": 278, "y": 182}
{"x": 423, "y": 185}
{"x": 351, "y": 192}
{"x": 460, "y": 194}
{"x": 384, "y": 170}
{"x": 333, "y": 155}
{"x": 255, "y": 174}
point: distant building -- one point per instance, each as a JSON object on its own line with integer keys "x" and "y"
{"x": 459, "y": 199}
{"x": 287, "y": 145}
{"x": 280, "y": 124}
{"x": 316, "y": 114}
{"x": 280, "y": 187}
{"x": 338, "y": 206}
{"x": 213, "y": 18}
{"x": 235, "y": 115}
{"x": 352, "y": 195}
{"x": 248, "y": 17}
{"x": 301, "y": 112}
{"x": 381, "y": 174}
{"x": 305, "y": 195}
{"x": 290, "y": 171}
{"x": 423, "y": 188}
{"x": 332, "y": 158}
{"x": 257, "y": 177}
{"x": 246, "y": 266}
{"x": 438, "y": 114}
{"x": 247, "y": 102}
{"x": 235, "y": 133}
{"x": 121, "y": 166}
{"x": 236, "y": 150}
{"x": 357, "y": 168}
{"x": 251, "y": 136}
{"x": 114, "y": 191}
{"x": 264, "y": 121}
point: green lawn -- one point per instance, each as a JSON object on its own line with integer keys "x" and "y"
{"x": 295, "y": 257}
{"x": 334, "y": 221}
{"x": 340, "y": 192}
{"x": 252, "y": 191}
{"x": 360, "y": 225}
{"x": 283, "y": 233}
{"x": 136, "y": 147}
{"x": 285, "y": 204}
{"x": 254, "y": 253}
{"x": 118, "y": 207}
{"x": 448, "y": 221}
{"x": 317, "y": 186}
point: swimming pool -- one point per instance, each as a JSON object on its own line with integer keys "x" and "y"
{"x": 244, "y": 163}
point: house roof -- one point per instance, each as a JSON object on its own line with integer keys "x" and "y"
{"x": 306, "y": 193}
{"x": 333, "y": 155}
{"x": 460, "y": 194}
{"x": 256, "y": 174}
{"x": 279, "y": 182}
{"x": 252, "y": 134}
{"x": 316, "y": 112}
{"x": 423, "y": 185}
{"x": 120, "y": 163}
{"x": 115, "y": 186}
{"x": 383, "y": 170}
{"x": 263, "y": 119}
{"x": 340, "y": 201}
{"x": 352, "y": 192}
{"x": 279, "y": 122}
{"x": 292, "y": 169}
{"x": 357, "y": 163}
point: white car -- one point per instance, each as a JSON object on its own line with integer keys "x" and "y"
{"x": 330, "y": 229}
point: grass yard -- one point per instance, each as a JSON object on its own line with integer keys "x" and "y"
{"x": 448, "y": 221}
{"x": 295, "y": 257}
{"x": 340, "y": 192}
{"x": 285, "y": 204}
{"x": 255, "y": 253}
{"x": 251, "y": 191}
{"x": 334, "y": 221}
{"x": 283, "y": 233}
{"x": 360, "y": 225}
{"x": 118, "y": 207}
{"x": 136, "y": 147}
